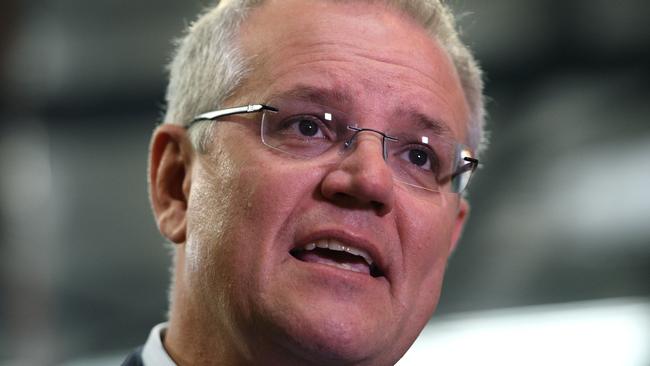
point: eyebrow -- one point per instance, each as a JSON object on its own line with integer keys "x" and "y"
{"x": 325, "y": 96}
{"x": 426, "y": 122}
{"x": 316, "y": 95}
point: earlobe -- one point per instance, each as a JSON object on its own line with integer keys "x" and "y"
{"x": 170, "y": 161}
{"x": 459, "y": 223}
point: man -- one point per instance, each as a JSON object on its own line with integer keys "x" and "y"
{"x": 310, "y": 173}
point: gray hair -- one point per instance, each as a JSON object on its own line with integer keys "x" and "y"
{"x": 208, "y": 66}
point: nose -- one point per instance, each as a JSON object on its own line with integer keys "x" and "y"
{"x": 361, "y": 179}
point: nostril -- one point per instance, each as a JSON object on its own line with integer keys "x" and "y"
{"x": 345, "y": 200}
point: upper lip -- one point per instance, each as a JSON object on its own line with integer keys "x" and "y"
{"x": 350, "y": 239}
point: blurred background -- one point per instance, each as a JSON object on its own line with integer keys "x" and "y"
{"x": 555, "y": 261}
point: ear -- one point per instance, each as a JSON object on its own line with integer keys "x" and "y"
{"x": 170, "y": 162}
{"x": 459, "y": 223}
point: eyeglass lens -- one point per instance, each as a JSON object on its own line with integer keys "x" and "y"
{"x": 416, "y": 156}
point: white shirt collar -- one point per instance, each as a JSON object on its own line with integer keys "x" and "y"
{"x": 153, "y": 352}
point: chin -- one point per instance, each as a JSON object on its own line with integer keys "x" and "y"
{"x": 332, "y": 342}
{"x": 327, "y": 332}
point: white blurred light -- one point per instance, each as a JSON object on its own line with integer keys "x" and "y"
{"x": 606, "y": 191}
{"x": 608, "y": 332}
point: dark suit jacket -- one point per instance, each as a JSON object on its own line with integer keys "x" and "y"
{"x": 134, "y": 359}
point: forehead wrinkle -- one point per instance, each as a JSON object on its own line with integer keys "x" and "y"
{"x": 369, "y": 83}
{"x": 445, "y": 90}
{"x": 401, "y": 78}
{"x": 317, "y": 94}
{"x": 317, "y": 51}
{"x": 404, "y": 66}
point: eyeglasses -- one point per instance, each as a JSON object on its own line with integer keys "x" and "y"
{"x": 418, "y": 157}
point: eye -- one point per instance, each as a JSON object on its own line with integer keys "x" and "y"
{"x": 420, "y": 157}
{"x": 306, "y": 126}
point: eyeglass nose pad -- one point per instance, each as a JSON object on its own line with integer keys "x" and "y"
{"x": 348, "y": 143}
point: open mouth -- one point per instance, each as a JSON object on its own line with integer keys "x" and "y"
{"x": 334, "y": 253}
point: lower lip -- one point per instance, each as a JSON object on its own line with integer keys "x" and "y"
{"x": 331, "y": 275}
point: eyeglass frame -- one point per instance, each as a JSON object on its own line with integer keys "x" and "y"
{"x": 254, "y": 108}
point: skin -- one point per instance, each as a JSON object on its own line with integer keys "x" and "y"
{"x": 239, "y": 298}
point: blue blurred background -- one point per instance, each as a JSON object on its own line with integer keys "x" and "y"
{"x": 558, "y": 243}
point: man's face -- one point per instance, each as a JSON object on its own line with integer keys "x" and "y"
{"x": 251, "y": 207}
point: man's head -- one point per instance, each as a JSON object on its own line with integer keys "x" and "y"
{"x": 260, "y": 219}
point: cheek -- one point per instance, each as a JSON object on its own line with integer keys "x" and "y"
{"x": 270, "y": 193}
{"x": 278, "y": 183}
{"x": 427, "y": 231}
{"x": 220, "y": 252}
{"x": 212, "y": 211}
{"x": 240, "y": 211}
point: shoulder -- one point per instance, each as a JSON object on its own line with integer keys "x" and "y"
{"x": 134, "y": 358}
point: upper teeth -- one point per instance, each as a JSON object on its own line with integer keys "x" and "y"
{"x": 338, "y": 246}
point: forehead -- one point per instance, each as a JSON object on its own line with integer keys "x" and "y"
{"x": 382, "y": 58}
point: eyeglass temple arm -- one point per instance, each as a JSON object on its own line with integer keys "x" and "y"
{"x": 471, "y": 165}
{"x": 212, "y": 115}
